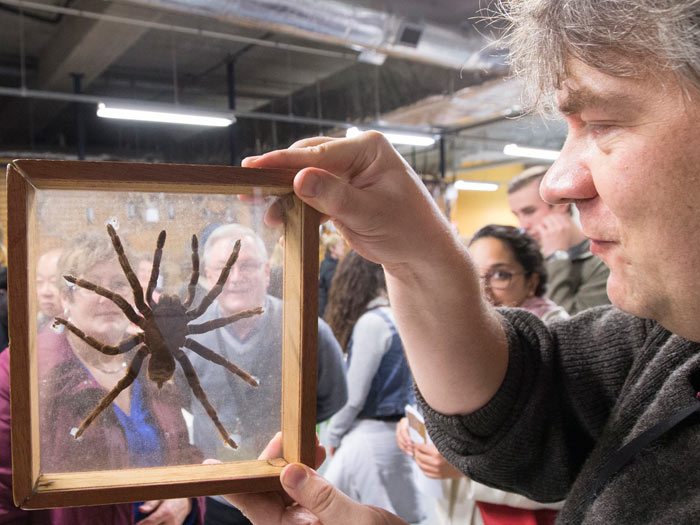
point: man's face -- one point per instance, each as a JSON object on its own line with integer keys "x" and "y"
{"x": 630, "y": 164}
{"x": 246, "y": 286}
{"x": 529, "y": 208}
{"x": 48, "y": 294}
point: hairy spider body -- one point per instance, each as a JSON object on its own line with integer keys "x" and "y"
{"x": 170, "y": 320}
{"x": 165, "y": 327}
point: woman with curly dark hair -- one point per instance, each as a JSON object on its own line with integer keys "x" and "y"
{"x": 367, "y": 463}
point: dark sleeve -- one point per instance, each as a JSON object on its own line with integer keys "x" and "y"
{"x": 562, "y": 381}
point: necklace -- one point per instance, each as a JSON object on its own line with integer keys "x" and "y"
{"x": 106, "y": 370}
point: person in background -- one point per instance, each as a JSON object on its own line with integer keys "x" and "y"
{"x": 47, "y": 291}
{"x": 366, "y": 463}
{"x": 251, "y": 414}
{"x": 512, "y": 273}
{"x": 143, "y": 427}
{"x": 577, "y": 278}
{"x": 334, "y": 251}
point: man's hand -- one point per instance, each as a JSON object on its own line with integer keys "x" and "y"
{"x": 554, "y": 233}
{"x": 165, "y": 511}
{"x": 313, "y": 499}
{"x": 366, "y": 187}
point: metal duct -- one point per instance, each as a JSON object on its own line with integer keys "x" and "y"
{"x": 366, "y": 30}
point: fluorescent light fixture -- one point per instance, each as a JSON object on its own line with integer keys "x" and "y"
{"x": 533, "y": 153}
{"x": 170, "y": 115}
{"x": 473, "y": 185}
{"x": 409, "y": 139}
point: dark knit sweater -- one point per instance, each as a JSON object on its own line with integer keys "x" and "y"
{"x": 574, "y": 393}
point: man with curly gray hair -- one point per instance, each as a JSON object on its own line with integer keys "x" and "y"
{"x": 601, "y": 409}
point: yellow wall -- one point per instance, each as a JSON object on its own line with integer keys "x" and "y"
{"x": 474, "y": 209}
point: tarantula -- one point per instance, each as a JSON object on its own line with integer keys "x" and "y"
{"x": 165, "y": 327}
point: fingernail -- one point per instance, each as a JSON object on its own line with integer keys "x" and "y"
{"x": 294, "y": 476}
{"x": 249, "y": 160}
{"x": 311, "y": 186}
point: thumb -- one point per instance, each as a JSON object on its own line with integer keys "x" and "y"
{"x": 331, "y": 195}
{"x": 149, "y": 506}
{"x": 316, "y": 494}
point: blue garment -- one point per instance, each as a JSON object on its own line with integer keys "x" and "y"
{"x": 140, "y": 429}
{"x": 144, "y": 442}
{"x": 392, "y": 386}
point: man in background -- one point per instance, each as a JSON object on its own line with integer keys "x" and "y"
{"x": 251, "y": 415}
{"x": 577, "y": 278}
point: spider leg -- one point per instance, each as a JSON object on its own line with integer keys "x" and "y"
{"x": 123, "y": 347}
{"x": 114, "y": 297}
{"x": 208, "y": 326}
{"x": 193, "y": 381}
{"x": 220, "y": 360}
{"x": 216, "y": 290}
{"x": 155, "y": 268}
{"x": 194, "y": 278}
{"x": 123, "y": 384}
{"x": 128, "y": 272}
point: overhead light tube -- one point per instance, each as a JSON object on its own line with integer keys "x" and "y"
{"x": 533, "y": 153}
{"x": 409, "y": 139}
{"x": 474, "y": 185}
{"x": 187, "y": 117}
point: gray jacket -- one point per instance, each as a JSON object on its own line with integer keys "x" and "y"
{"x": 574, "y": 393}
{"x": 579, "y": 282}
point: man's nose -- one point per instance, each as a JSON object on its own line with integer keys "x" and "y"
{"x": 569, "y": 179}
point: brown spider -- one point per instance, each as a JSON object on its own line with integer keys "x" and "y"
{"x": 165, "y": 330}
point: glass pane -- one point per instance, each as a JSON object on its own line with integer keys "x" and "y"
{"x": 86, "y": 303}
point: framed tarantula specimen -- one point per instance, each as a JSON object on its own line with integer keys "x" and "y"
{"x": 153, "y": 368}
{"x": 164, "y": 330}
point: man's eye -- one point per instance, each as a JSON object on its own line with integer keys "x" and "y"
{"x": 501, "y": 274}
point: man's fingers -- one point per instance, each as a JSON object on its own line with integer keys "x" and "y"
{"x": 265, "y": 507}
{"x": 332, "y": 196}
{"x": 317, "y": 495}
{"x": 343, "y": 157}
{"x": 311, "y": 141}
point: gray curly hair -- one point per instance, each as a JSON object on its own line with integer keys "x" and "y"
{"x": 623, "y": 38}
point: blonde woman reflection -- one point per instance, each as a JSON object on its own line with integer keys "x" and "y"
{"x": 143, "y": 427}
{"x": 513, "y": 274}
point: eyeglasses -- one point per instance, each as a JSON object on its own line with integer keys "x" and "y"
{"x": 245, "y": 268}
{"x": 499, "y": 279}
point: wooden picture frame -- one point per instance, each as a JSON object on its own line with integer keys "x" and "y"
{"x": 33, "y": 489}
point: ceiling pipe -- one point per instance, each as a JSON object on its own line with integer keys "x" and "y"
{"x": 178, "y": 29}
{"x": 368, "y": 31}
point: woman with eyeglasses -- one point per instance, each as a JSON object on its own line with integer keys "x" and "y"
{"x": 513, "y": 274}
{"x": 512, "y": 270}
